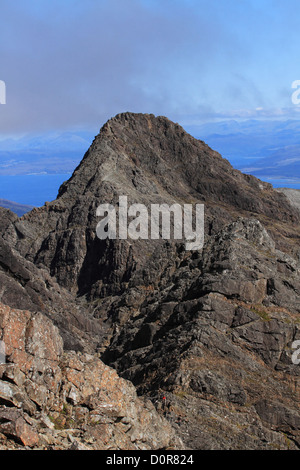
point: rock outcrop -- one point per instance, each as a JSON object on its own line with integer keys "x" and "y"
{"x": 52, "y": 399}
{"x": 212, "y": 330}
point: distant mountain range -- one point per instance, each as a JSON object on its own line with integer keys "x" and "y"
{"x": 52, "y": 153}
{"x": 262, "y": 148}
{"x": 266, "y": 149}
{"x": 33, "y": 167}
{"x": 15, "y": 207}
{"x": 282, "y": 163}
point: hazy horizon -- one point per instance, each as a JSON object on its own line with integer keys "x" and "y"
{"x": 70, "y": 66}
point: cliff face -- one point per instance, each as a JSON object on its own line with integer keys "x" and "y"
{"x": 212, "y": 329}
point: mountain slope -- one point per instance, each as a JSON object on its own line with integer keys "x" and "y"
{"x": 212, "y": 329}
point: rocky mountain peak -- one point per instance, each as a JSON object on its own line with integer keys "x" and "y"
{"x": 212, "y": 329}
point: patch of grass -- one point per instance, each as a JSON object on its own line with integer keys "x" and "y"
{"x": 261, "y": 312}
{"x": 180, "y": 394}
{"x": 63, "y": 420}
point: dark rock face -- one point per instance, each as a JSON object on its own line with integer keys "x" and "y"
{"x": 220, "y": 334}
{"x": 23, "y": 285}
{"x": 211, "y": 329}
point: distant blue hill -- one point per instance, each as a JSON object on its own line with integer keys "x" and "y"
{"x": 282, "y": 163}
{"x": 269, "y": 150}
{"x": 19, "y": 209}
{"x": 52, "y": 153}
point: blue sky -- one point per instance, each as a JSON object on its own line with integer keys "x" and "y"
{"x": 73, "y": 64}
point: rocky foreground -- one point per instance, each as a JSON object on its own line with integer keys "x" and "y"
{"x": 141, "y": 344}
{"x": 51, "y": 399}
